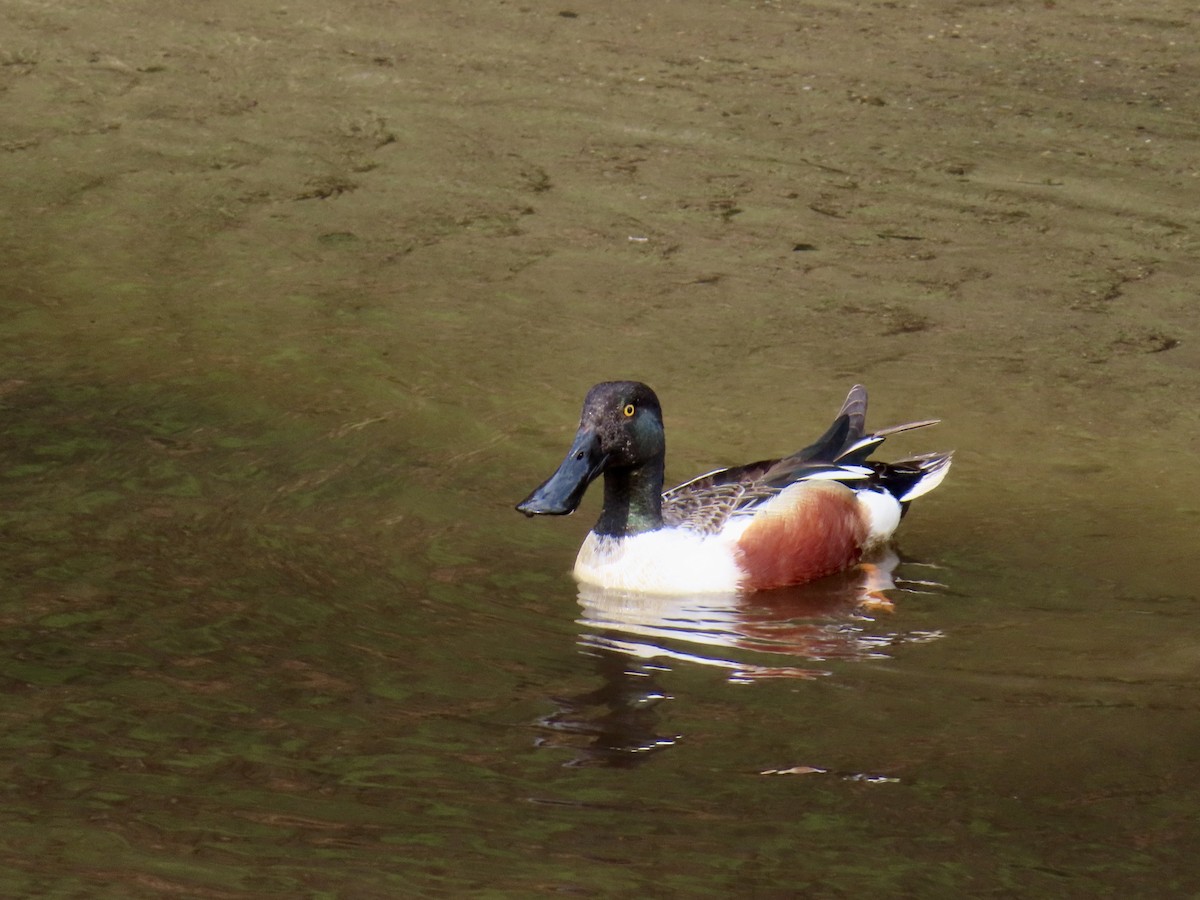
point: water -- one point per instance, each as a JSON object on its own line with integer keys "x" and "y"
{"x": 298, "y": 306}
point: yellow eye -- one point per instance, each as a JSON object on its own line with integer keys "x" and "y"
{"x": 629, "y": 410}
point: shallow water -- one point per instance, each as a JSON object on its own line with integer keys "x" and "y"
{"x": 298, "y": 306}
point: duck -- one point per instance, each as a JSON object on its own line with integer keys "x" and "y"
{"x": 756, "y": 527}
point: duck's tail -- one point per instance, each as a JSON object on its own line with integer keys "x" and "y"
{"x": 908, "y": 479}
{"x": 841, "y": 454}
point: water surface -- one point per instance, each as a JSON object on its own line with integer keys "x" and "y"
{"x": 297, "y": 305}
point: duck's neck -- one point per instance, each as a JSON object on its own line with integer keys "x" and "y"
{"x": 632, "y": 500}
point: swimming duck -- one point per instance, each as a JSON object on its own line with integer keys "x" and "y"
{"x": 764, "y": 525}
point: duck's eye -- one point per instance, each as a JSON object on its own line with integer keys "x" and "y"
{"x": 629, "y": 410}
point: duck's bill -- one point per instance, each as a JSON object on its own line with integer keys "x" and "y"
{"x": 562, "y": 492}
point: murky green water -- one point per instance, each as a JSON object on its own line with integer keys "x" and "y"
{"x": 294, "y": 313}
{"x": 248, "y": 651}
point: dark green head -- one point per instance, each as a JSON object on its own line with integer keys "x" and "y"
{"x": 621, "y": 436}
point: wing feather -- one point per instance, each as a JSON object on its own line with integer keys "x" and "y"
{"x": 708, "y": 501}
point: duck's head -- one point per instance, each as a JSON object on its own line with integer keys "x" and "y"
{"x": 620, "y": 428}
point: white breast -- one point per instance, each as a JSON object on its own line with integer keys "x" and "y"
{"x": 667, "y": 561}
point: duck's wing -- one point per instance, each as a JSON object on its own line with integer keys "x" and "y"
{"x": 707, "y": 502}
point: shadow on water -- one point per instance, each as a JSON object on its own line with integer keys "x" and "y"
{"x": 635, "y": 638}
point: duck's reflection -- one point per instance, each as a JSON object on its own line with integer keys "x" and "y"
{"x": 773, "y": 634}
{"x": 777, "y": 634}
{"x": 615, "y": 725}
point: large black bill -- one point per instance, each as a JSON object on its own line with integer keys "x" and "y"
{"x": 561, "y": 492}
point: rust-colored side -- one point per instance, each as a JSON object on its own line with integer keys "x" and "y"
{"x": 812, "y": 530}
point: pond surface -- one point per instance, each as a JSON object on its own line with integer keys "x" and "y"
{"x": 299, "y": 304}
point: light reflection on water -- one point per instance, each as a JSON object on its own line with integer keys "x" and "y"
{"x": 828, "y": 619}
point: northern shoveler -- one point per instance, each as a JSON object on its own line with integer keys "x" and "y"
{"x": 765, "y": 525}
